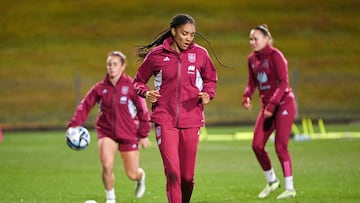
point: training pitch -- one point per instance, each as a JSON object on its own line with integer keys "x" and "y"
{"x": 39, "y": 167}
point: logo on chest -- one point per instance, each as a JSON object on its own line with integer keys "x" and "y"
{"x": 192, "y": 57}
{"x": 124, "y": 89}
{"x": 123, "y": 100}
{"x": 262, "y": 77}
{"x": 265, "y": 64}
{"x": 191, "y": 69}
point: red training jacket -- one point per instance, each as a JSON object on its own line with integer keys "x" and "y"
{"x": 269, "y": 72}
{"x": 123, "y": 114}
{"x": 179, "y": 77}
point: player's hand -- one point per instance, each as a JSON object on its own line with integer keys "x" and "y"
{"x": 144, "y": 142}
{"x": 152, "y": 96}
{"x": 246, "y": 103}
{"x": 205, "y": 98}
{"x": 267, "y": 114}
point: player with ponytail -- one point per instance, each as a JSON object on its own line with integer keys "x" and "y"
{"x": 268, "y": 72}
{"x": 185, "y": 80}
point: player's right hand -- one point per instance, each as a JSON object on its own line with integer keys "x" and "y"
{"x": 152, "y": 96}
{"x": 144, "y": 142}
{"x": 246, "y": 103}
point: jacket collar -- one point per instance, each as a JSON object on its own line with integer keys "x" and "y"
{"x": 107, "y": 78}
{"x": 264, "y": 52}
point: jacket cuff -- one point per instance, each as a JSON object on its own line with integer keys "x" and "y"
{"x": 140, "y": 136}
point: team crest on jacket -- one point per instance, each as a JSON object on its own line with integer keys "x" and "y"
{"x": 124, "y": 89}
{"x": 266, "y": 63}
{"x": 192, "y": 57}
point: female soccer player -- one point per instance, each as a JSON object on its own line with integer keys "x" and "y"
{"x": 268, "y": 72}
{"x": 122, "y": 124}
{"x": 185, "y": 80}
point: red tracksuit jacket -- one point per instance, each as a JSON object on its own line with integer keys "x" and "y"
{"x": 179, "y": 78}
{"x": 123, "y": 114}
{"x": 269, "y": 72}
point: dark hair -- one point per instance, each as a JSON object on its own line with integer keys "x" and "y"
{"x": 264, "y": 30}
{"x": 176, "y": 21}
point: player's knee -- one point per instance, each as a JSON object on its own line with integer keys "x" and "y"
{"x": 173, "y": 178}
{"x": 107, "y": 169}
{"x": 132, "y": 174}
{"x": 187, "y": 180}
{"x": 281, "y": 149}
{"x": 257, "y": 148}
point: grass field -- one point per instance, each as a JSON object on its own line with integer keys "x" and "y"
{"x": 39, "y": 167}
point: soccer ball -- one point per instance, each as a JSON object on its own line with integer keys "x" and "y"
{"x": 77, "y": 138}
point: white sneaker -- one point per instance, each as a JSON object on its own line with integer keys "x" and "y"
{"x": 269, "y": 188}
{"x": 111, "y": 201}
{"x": 140, "y": 186}
{"x": 287, "y": 194}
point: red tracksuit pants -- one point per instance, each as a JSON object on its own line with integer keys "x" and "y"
{"x": 178, "y": 148}
{"x": 281, "y": 122}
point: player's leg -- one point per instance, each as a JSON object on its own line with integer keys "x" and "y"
{"x": 130, "y": 156}
{"x": 189, "y": 140}
{"x": 284, "y": 118}
{"x": 262, "y": 131}
{"x": 168, "y": 143}
{"x": 107, "y": 150}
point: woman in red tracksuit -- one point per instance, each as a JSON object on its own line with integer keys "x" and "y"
{"x": 122, "y": 123}
{"x": 268, "y": 72}
{"x": 185, "y": 80}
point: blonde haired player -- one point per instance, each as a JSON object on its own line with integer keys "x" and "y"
{"x": 122, "y": 124}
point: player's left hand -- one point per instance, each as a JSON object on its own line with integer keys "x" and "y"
{"x": 267, "y": 114}
{"x": 144, "y": 142}
{"x": 205, "y": 98}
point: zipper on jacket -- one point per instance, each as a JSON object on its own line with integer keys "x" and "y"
{"x": 114, "y": 110}
{"x": 179, "y": 93}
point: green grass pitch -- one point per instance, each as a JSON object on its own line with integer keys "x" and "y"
{"x": 39, "y": 167}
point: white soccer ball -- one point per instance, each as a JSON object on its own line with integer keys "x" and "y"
{"x": 77, "y": 138}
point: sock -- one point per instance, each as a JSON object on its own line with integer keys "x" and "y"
{"x": 110, "y": 194}
{"x": 289, "y": 185}
{"x": 270, "y": 175}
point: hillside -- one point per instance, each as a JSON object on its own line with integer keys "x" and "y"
{"x": 47, "y": 45}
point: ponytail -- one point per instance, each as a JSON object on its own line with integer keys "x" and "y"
{"x": 142, "y": 51}
{"x": 213, "y": 50}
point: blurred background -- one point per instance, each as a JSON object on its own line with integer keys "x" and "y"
{"x": 52, "y": 52}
